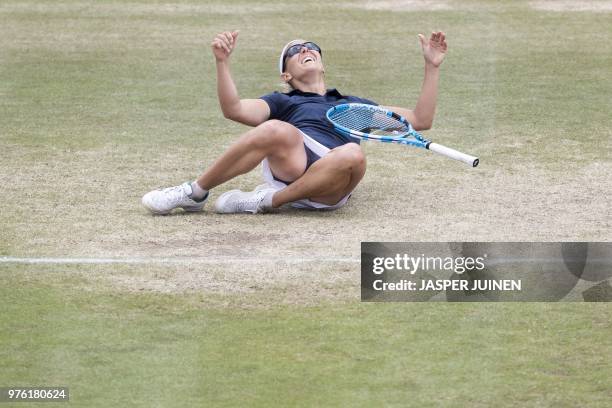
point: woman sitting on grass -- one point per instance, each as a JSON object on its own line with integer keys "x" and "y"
{"x": 305, "y": 162}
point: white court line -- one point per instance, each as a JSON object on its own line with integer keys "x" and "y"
{"x": 170, "y": 260}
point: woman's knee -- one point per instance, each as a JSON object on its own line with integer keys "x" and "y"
{"x": 274, "y": 133}
{"x": 350, "y": 156}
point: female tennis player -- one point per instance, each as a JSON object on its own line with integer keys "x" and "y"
{"x": 305, "y": 162}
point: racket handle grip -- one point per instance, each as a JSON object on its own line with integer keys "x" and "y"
{"x": 453, "y": 154}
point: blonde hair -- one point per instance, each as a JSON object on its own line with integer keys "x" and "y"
{"x": 286, "y": 87}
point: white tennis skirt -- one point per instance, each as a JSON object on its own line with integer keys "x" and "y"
{"x": 306, "y": 204}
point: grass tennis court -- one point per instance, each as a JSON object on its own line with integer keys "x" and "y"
{"x": 102, "y": 101}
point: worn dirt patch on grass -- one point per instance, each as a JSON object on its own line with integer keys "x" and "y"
{"x": 568, "y": 5}
{"x": 137, "y": 9}
{"x": 401, "y": 5}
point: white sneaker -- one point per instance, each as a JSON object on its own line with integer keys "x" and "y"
{"x": 236, "y": 201}
{"x": 163, "y": 201}
{"x": 263, "y": 186}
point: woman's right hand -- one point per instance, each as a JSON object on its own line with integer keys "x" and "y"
{"x": 223, "y": 44}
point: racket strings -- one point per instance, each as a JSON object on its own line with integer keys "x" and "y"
{"x": 370, "y": 121}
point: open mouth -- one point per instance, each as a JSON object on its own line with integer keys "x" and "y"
{"x": 308, "y": 59}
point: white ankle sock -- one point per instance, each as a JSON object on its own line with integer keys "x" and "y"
{"x": 266, "y": 203}
{"x": 197, "y": 192}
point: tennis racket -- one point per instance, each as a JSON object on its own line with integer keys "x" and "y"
{"x": 369, "y": 122}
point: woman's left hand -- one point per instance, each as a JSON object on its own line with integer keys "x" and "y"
{"x": 434, "y": 49}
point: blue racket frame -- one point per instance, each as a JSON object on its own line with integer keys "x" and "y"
{"x": 410, "y": 137}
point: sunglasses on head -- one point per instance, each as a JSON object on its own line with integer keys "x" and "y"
{"x": 295, "y": 49}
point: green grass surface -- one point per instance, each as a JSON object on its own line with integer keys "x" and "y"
{"x": 101, "y": 101}
{"x": 170, "y": 350}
